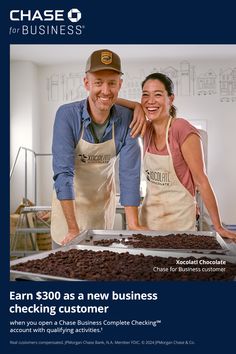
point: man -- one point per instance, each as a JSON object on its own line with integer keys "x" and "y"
{"x": 87, "y": 137}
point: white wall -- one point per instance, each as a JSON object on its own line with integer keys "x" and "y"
{"x": 24, "y": 111}
{"x": 200, "y": 97}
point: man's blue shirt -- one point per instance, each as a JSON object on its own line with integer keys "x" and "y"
{"x": 70, "y": 118}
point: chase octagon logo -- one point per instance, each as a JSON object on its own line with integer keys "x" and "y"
{"x": 74, "y": 15}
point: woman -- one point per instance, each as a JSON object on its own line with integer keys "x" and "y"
{"x": 173, "y": 163}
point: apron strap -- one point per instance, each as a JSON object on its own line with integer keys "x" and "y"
{"x": 150, "y": 138}
{"x": 167, "y": 134}
{"x": 82, "y": 133}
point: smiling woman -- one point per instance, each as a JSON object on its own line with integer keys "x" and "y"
{"x": 172, "y": 148}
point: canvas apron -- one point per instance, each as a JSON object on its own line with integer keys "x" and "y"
{"x": 168, "y": 205}
{"x": 94, "y": 185}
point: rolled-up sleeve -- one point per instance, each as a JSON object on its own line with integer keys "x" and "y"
{"x": 63, "y": 148}
{"x": 129, "y": 172}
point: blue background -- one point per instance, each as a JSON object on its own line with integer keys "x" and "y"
{"x": 201, "y": 311}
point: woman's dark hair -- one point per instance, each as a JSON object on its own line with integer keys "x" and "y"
{"x": 169, "y": 86}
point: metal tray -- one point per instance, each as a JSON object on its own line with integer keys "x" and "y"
{"x": 15, "y": 274}
{"x": 89, "y": 236}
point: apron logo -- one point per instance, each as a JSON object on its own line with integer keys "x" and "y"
{"x": 161, "y": 178}
{"x": 148, "y": 175}
{"x": 94, "y": 158}
{"x": 83, "y": 158}
{"x": 106, "y": 58}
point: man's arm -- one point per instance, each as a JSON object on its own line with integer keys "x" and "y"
{"x": 139, "y": 122}
{"x": 129, "y": 174}
{"x": 131, "y": 213}
{"x": 69, "y": 213}
{"x": 63, "y": 148}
